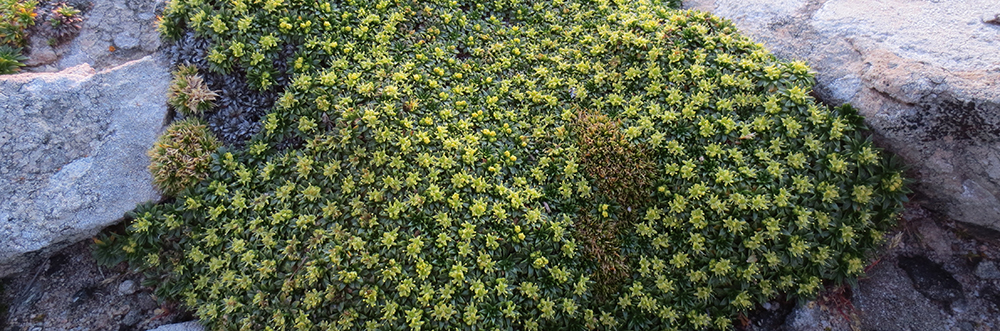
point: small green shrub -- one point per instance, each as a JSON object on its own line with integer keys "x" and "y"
{"x": 64, "y": 21}
{"x": 181, "y": 156}
{"x": 11, "y": 60}
{"x": 188, "y": 93}
{"x": 65, "y": 14}
{"x": 469, "y": 165}
{"x": 16, "y": 17}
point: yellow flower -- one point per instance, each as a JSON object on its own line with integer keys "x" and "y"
{"x": 862, "y": 194}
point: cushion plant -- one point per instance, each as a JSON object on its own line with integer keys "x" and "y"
{"x": 553, "y": 164}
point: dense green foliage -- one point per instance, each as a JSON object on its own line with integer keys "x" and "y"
{"x": 11, "y": 60}
{"x": 557, "y": 164}
{"x": 16, "y": 17}
{"x": 182, "y": 155}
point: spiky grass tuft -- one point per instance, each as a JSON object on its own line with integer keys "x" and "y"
{"x": 188, "y": 92}
{"x": 181, "y": 157}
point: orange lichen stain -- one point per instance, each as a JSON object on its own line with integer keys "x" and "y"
{"x": 111, "y": 48}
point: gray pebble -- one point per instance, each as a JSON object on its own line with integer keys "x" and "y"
{"x": 127, "y": 287}
{"x": 186, "y": 326}
{"x": 990, "y": 18}
{"x": 987, "y": 270}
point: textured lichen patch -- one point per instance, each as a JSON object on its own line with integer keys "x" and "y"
{"x": 453, "y": 152}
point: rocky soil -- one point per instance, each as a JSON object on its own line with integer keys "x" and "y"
{"x": 69, "y": 291}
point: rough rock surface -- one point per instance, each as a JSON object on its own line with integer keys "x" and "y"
{"x": 987, "y": 270}
{"x": 73, "y": 153}
{"x": 186, "y": 326}
{"x": 925, "y": 74}
{"x": 813, "y": 316}
{"x": 113, "y": 32}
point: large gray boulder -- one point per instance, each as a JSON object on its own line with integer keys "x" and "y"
{"x": 925, "y": 74}
{"x": 73, "y": 153}
{"x": 113, "y": 32}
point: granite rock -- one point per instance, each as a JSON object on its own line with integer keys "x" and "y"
{"x": 987, "y": 270}
{"x": 73, "y": 148}
{"x": 113, "y": 32}
{"x": 186, "y": 326}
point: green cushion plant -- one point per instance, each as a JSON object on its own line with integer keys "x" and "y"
{"x": 182, "y": 155}
{"x": 558, "y": 164}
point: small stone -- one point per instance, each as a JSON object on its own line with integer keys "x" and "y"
{"x": 133, "y": 317}
{"x": 125, "y": 40}
{"x": 186, "y": 326}
{"x": 987, "y": 270}
{"x": 124, "y": 309}
{"x": 82, "y": 295}
{"x": 990, "y": 18}
{"x": 41, "y": 53}
{"x": 935, "y": 238}
{"x": 812, "y": 317}
{"x": 127, "y": 287}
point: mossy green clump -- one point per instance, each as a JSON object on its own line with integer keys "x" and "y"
{"x": 181, "y": 156}
{"x": 454, "y": 172}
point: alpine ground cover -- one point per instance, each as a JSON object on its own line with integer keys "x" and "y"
{"x": 16, "y": 17}
{"x": 561, "y": 164}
